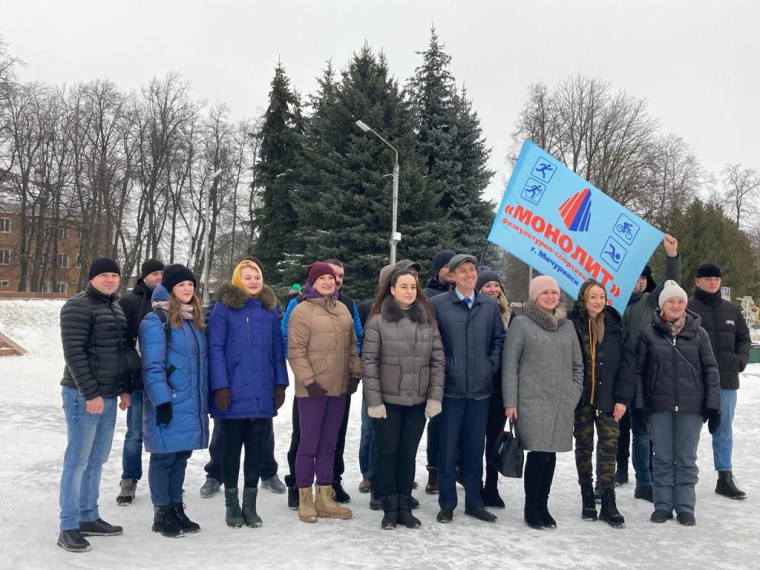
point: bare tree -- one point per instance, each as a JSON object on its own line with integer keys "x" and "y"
{"x": 742, "y": 186}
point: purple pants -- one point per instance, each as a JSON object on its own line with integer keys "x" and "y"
{"x": 320, "y": 420}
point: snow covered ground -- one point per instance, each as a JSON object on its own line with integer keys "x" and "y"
{"x": 32, "y": 436}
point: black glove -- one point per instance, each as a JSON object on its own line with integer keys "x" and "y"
{"x": 222, "y": 399}
{"x": 712, "y": 417}
{"x": 315, "y": 390}
{"x": 353, "y": 385}
{"x": 279, "y": 396}
{"x": 164, "y": 414}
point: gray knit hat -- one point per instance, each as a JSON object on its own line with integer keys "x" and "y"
{"x": 461, "y": 258}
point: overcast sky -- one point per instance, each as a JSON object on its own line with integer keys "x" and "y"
{"x": 697, "y": 62}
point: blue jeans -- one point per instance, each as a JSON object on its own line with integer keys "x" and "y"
{"x": 89, "y": 438}
{"x": 641, "y": 450}
{"x": 675, "y": 438}
{"x": 269, "y": 464}
{"x": 723, "y": 439}
{"x": 366, "y": 457}
{"x": 166, "y": 474}
{"x": 462, "y": 429}
{"x": 131, "y": 455}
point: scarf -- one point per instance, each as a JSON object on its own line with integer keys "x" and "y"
{"x": 674, "y": 327}
{"x": 185, "y": 311}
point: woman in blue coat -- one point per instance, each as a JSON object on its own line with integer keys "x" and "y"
{"x": 248, "y": 378}
{"x": 175, "y": 412}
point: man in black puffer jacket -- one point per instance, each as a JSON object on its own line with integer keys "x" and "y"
{"x": 136, "y": 305}
{"x": 731, "y": 343}
{"x": 94, "y": 335}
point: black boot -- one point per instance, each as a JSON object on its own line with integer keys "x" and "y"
{"x": 621, "y": 473}
{"x": 532, "y": 479}
{"x": 405, "y": 516}
{"x": 546, "y": 486}
{"x": 588, "y": 512}
{"x": 188, "y": 526}
{"x": 727, "y": 486}
{"x": 390, "y": 510}
{"x": 232, "y": 514}
{"x": 290, "y": 483}
{"x": 165, "y": 523}
{"x": 609, "y": 512}
{"x": 431, "y": 488}
{"x": 252, "y": 519}
{"x": 645, "y": 492}
{"x": 490, "y": 493}
{"x": 340, "y": 493}
{"x": 375, "y": 502}
{"x": 73, "y": 541}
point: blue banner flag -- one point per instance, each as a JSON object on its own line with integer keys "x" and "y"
{"x": 562, "y": 226}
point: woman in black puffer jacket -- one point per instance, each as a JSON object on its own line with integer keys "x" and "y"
{"x": 678, "y": 385}
{"x": 609, "y": 380}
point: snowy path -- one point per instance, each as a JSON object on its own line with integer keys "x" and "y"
{"x": 32, "y": 433}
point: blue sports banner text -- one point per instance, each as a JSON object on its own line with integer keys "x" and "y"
{"x": 562, "y": 226}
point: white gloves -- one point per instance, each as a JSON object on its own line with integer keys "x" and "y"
{"x": 377, "y": 412}
{"x": 432, "y": 408}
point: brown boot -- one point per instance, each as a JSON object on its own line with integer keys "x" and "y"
{"x": 306, "y": 511}
{"x": 432, "y": 485}
{"x": 327, "y": 507}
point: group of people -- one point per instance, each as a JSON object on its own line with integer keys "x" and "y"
{"x": 450, "y": 358}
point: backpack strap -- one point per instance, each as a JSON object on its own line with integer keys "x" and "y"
{"x": 164, "y": 318}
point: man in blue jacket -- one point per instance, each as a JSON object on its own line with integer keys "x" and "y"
{"x": 473, "y": 338}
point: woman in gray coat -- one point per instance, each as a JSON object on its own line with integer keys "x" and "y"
{"x": 542, "y": 381}
{"x": 403, "y": 365}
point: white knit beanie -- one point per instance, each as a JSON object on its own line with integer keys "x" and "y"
{"x": 672, "y": 289}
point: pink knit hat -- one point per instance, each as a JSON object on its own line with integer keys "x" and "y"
{"x": 540, "y": 284}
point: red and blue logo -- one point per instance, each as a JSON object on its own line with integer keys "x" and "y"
{"x": 576, "y": 211}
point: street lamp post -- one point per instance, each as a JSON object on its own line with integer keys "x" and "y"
{"x": 206, "y": 232}
{"x": 395, "y": 236}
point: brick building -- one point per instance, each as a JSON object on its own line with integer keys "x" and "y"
{"x": 54, "y": 268}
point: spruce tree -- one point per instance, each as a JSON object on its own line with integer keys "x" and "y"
{"x": 275, "y": 220}
{"x": 450, "y": 139}
{"x": 345, "y": 189}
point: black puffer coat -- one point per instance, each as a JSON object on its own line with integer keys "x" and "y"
{"x": 435, "y": 287}
{"x": 728, "y": 333}
{"x": 615, "y": 360}
{"x": 672, "y": 382}
{"x": 136, "y": 305}
{"x": 94, "y": 335}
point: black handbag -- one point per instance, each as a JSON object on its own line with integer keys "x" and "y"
{"x": 508, "y": 457}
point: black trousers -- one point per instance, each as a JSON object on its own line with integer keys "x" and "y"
{"x": 398, "y": 437}
{"x": 248, "y": 433}
{"x": 496, "y": 422}
{"x": 295, "y": 438}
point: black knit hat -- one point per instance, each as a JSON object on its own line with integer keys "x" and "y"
{"x": 708, "y": 270}
{"x": 177, "y": 273}
{"x": 150, "y": 266}
{"x": 651, "y": 284}
{"x": 442, "y": 258}
{"x": 103, "y": 265}
{"x": 486, "y": 275}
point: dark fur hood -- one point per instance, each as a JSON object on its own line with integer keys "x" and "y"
{"x": 393, "y": 313}
{"x": 236, "y": 298}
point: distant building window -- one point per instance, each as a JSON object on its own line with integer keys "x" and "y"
{"x": 45, "y": 259}
{"x": 5, "y": 256}
{"x": 63, "y": 260}
{"x": 79, "y": 261}
{"x": 45, "y": 287}
{"x": 5, "y": 225}
{"x": 4, "y": 283}
{"x": 63, "y": 287}
{"x": 63, "y": 232}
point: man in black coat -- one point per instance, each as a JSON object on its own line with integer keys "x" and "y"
{"x": 473, "y": 338}
{"x": 442, "y": 278}
{"x": 136, "y": 305}
{"x": 730, "y": 339}
{"x": 94, "y": 337}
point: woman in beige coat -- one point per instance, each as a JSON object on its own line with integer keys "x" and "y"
{"x": 326, "y": 366}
